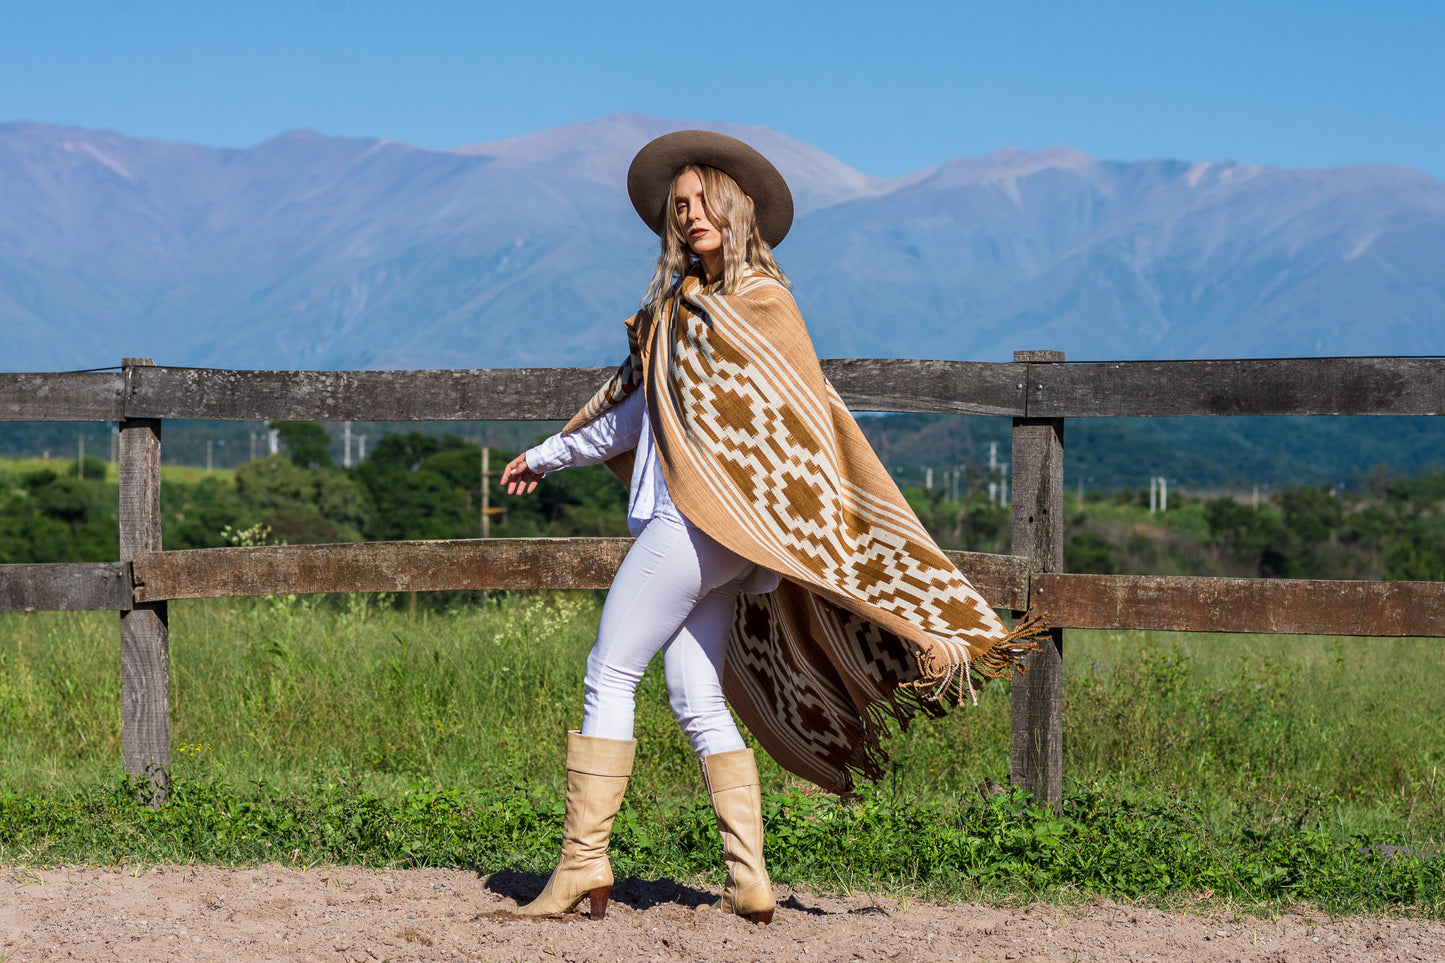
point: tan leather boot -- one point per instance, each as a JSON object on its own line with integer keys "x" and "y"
{"x": 732, "y": 781}
{"x": 597, "y": 771}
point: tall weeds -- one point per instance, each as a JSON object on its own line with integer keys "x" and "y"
{"x": 299, "y": 691}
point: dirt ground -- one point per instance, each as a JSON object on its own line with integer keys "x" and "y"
{"x": 339, "y": 913}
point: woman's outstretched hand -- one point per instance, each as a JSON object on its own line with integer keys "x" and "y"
{"x": 517, "y": 478}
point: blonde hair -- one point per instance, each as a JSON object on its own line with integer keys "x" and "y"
{"x": 731, "y": 212}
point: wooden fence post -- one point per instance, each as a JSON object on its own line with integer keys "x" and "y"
{"x": 145, "y": 661}
{"x": 1036, "y": 749}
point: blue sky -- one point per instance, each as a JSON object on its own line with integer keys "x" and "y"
{"x": 888, "y": 87}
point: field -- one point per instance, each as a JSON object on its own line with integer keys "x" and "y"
{"x": 185, "y": 474}
{"x": 1262, "y": 771}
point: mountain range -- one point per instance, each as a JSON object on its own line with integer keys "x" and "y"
{"x": 309, "y": 251}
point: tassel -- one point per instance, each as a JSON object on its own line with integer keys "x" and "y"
{"x": 1033, "y": 626}
{"x": 940, "y": 672}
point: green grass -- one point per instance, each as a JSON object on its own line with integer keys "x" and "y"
{"x": 1253, "y": 767}
{"x": 190, "y": 474}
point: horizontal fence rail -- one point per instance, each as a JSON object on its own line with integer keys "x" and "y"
{"x": 62, "y": 396}
{"x": 432, "y": 566}
{"x": 1038, "y": 390}
{"x": 1287, "y": 386}
{"x": 65, "y": 587}
{"x": 526, "y": 394}
{"x": 1274, "y": 606}
{"x": 497, "y": 394}
{"x": 1292, "y": 386}
{"x": 947, "y": 387}
{"x": 1073, "y": 601}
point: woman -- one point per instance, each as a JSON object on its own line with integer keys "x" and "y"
{"x": 745, "y": 466}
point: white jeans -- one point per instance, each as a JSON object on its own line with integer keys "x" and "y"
{"x": 674, "y": 591}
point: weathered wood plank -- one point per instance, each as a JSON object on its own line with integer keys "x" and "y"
{"x": 145, "y": 655}
{"x": 60, "y": 396}
{"x": 65, "y": 587}
{"x": 410, "y": 566}
{"x": 1289, "y": 386}
{"x": 1036, "y": 708}
{"x": 1285, "y": 606}
{"x": 1292, "y": 386}
{"x": 526, "y": 394}
{"x": 956, "y": 387}
{"x": 434, "y": 566}
{"x": 1001, "y": 579}
{"x": 499, "y": 394}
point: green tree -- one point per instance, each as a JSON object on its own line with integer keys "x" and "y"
{"x": 193, "y": 514}
{"x": 301, "y": 505}
{"x": 1252, "y": 536}
{"x": 306, "y": 443}
{"x": 1311, "y": 518}
{"x": 421, "y": 486}
{"x": 424, "y": 486}
{"x": 95, "y": 469}
{"x": 1090, "y": 552}
{"x": 1417, "y": 555}
{"x": 55, "y": 518}
{"x": 1427, "y": 488}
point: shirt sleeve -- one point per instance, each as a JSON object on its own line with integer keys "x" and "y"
{"x": 611, "y": 433}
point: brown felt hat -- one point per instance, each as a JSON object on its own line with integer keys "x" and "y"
{"x": 649, "y": 179}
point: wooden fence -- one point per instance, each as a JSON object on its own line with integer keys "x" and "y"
{"x": 1038, "y": 390}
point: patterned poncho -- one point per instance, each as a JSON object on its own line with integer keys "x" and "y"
{"x": 871, "y": 618}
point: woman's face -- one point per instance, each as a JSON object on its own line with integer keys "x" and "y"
{"x": 697, "y": 227}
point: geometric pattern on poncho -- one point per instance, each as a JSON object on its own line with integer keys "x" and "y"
{"x": 759, "y": 452}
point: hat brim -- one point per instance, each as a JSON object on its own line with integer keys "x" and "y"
{"x": 649, "y": 179}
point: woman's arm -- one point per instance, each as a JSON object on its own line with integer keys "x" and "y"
{"x": 609, "y": 434}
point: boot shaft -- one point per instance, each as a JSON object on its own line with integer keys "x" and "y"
{"x": 732, "y": 782}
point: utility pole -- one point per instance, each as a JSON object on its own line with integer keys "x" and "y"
{"x": 487, "y": 510}
{"x": 993, "y": 498}
{"x": 486, "y": 493}
{"x": 346, "y": 448}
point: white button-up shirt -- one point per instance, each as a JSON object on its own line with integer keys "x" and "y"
{"x": 620, "y": 428}
{"x": 616, "y": 430}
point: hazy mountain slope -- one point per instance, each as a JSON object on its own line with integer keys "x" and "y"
{"x": 310, "y": 251}
{"x": 1147, "y": 260}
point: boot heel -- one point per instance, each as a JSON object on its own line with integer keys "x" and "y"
{"x": 599, "y": 901}
{"x": 762, "y": 916}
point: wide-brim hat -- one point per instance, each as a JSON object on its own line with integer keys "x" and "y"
{"x": 649, "y": 179}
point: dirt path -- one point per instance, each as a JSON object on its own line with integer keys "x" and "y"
{"x": 359, "y": 916}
